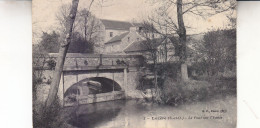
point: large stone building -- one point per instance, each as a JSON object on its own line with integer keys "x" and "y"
{"x": 125, "y": 38}
{"x": 118, "y": 35}
{"x": 111, "y": 28}
{"x": 117, "y": 44}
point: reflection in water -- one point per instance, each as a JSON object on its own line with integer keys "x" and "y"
{"x": 140, "y": 114}
{"x": 91, "y": 120}
{"x": 92, "y": 115}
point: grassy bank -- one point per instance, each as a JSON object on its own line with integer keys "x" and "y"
{"x": 175, "y": 93}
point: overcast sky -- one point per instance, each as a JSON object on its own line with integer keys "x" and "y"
{"x": 44, "y": 12}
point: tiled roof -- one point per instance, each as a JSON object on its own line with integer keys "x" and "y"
{"x": 117, "y": 38}
{"x": 118, "y": 25}
{"x": 142, "y": 45}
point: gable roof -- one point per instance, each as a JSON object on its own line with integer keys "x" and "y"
{"x": 118, "y": 25}
{"x": 138, "y": 46}
{"x": 117, "y": 38}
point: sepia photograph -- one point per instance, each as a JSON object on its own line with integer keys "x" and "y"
{"x": 134, "y": 63}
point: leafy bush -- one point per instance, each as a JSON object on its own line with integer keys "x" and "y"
{"x": 178, "y": 92}
{"x": 145, "y": 83}
{"x": 166, "y": 69}
{"x": 51, "y": 64}
{"x": 215, "y": 53}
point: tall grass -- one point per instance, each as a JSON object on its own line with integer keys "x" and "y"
{"x": 47, "y": 117}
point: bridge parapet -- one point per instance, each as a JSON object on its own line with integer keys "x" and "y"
{"x": 81, "y": 61}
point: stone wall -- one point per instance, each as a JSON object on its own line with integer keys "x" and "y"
{"x": 132, "y": 82}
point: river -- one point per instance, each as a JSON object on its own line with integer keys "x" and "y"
{"x": 214, "y": 113}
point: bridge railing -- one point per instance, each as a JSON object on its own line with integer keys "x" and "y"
{"x": 79, "y": 61}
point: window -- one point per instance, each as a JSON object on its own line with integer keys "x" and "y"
{"x": 140, "y": 28}
{"x": 111, "y": 34}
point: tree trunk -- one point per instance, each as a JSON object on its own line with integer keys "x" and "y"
{"x": 184, "y": 72}
{"x": 62, "y": 54}
{"x": 182, "y": 40}
{"x": 85, "y": 28}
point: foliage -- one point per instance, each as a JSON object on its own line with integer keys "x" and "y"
{"x": 171, "y": 19}
{"x": 50, "y": 42}
{"x": 178, "y": 92}
{"x": 162, "y": 70}
{"x": 216, "y": 53}
{"x": 47, "y": 117}
{"x": 221, "y": 48}
{"x": 86, "y": 29}
{"x": 51, "y": 64}
{"x": 169, "y": 69}
{"x": 80, "y": 45}
{"x": 39, "y": 61}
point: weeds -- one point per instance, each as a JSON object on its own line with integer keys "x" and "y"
{"x": 47, "y": 117}
{"x": 175, "y": 93}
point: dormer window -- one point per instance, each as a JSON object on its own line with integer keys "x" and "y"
{"x": 111, "y": 34}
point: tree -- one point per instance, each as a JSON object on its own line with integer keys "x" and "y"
{"x": 89, "y": 27}
{"x": 151, "y": 43}
{"x": 62, "y": 54}
{"x": 202, "y": 8}
{"x": 220, "y": 48}
{"x": 86, "y": 25}
{"x": 49, "y": 42}
{"x": 80, "y": 45}
{"x": 214, "y": 52}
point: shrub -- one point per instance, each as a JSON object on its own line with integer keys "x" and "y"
{"x": 51, "y": 64}
{"x": 178, "y": 92}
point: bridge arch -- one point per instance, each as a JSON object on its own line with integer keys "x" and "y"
{"x": 107, "y": 85}
{"x": 93, "y": 85}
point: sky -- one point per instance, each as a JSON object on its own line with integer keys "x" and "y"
{"x": 44, "y": 14}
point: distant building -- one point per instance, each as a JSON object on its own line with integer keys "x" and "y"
{"x": 162, "y": 47}
{"x": 117, "y": 35}
{"x": 121, "y": 37}
{"x": 118, "y": 43}
{"x": 113, "y": 28}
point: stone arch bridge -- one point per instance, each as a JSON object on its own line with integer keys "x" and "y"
{"x": 118, "y": 75}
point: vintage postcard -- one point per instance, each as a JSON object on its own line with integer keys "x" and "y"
{"x": 134, "y": 64}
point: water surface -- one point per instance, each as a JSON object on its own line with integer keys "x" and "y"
{"x": 140, "y": 114}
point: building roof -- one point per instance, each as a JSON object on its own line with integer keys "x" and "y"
{"x": 138, "y": 46}
{"x": 117, "y": 38}
{"x": 118, "y": 25}
{"x": 138, "y": 24}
